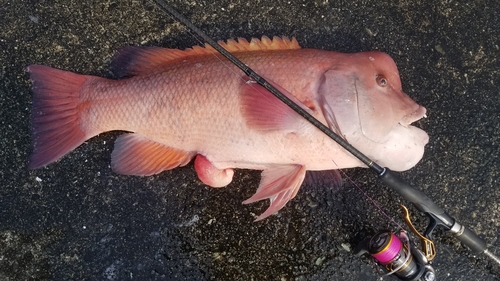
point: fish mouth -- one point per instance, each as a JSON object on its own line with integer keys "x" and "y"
{"x": 415, "y": 131}
{"x": 414, "y": 116}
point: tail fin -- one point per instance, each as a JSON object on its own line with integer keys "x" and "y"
{"x": 55, "y": 115}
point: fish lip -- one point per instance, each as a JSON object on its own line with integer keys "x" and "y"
{"x": 414, "y": 116}
{"x": 419, "y": 134}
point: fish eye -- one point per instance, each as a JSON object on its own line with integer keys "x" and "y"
{"x": 382, "y": 81}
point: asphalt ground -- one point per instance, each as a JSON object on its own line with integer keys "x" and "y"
{"x": 77, "y": 220}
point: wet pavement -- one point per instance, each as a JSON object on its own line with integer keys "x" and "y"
{"x": 77, "y": 220}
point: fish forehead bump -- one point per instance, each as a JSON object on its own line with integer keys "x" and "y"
{"x": 380, "y": 60}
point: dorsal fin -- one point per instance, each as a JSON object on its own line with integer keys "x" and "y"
{"x": 131, "y": 61}
{"x": 277, "y": 43}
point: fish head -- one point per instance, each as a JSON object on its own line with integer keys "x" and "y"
{"x": 371, "y": 110}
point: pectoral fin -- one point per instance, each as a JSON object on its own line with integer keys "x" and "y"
{"x": 263, "y": 111}
{"x": 280, "y": 184}
{"x": 134, "y": 154}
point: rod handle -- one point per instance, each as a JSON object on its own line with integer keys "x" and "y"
{"x": 410, "y": 193}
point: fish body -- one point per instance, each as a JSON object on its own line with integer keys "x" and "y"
{"x": 180, "y": 105}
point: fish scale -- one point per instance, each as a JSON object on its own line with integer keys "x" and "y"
{"x": 179, "y": 105}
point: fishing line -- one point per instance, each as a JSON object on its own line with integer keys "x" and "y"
{"x": 437, "y": 216}
{"x": 374, "y": 202}
{"x": 393, "y": 250}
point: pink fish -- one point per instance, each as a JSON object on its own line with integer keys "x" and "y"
{"x": 179, "y": 105}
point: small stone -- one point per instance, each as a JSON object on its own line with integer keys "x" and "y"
{"x": 319, "y": 261}
{"x": 346, "y": 247}
{"x": 440, "y": 49}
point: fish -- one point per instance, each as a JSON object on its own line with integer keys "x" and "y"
{"x": 179, "y": 105}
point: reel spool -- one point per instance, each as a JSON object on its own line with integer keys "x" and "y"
{"x": 398, "y": 256}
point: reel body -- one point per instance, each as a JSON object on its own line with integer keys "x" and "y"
{"x": 397, "y": 255}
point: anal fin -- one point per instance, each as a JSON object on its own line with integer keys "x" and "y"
{"x": 134, "y": 154}
{"x": 280, "y": 184}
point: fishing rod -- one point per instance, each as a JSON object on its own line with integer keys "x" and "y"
{"x": 437, "y": 216}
